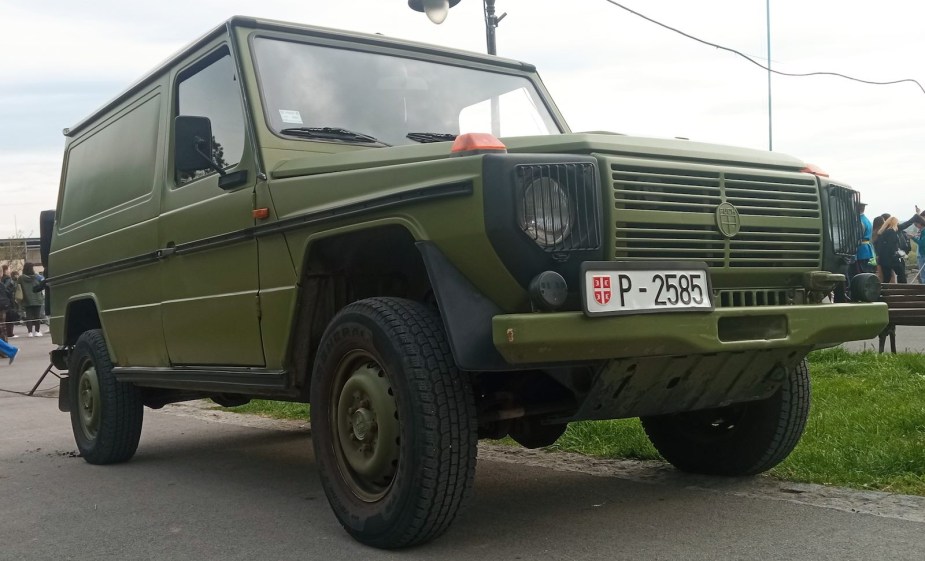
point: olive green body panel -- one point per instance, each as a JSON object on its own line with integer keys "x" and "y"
{"x": 279, "y": 287}
{"x": 91, "y": 235}
{"x": 211, "y": 293}
{"x": 456, "y": 224}
{"x": 572, "y": 336}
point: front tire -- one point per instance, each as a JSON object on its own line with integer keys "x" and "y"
{"x": 740, "y": 439}
{"x": 106, "y": 415}
{"x": 394, "y": 425}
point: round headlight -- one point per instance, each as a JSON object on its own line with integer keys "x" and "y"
{"x": 545, "y": 212}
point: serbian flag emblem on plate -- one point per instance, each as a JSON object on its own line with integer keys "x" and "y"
{"x": 602, "y": 291}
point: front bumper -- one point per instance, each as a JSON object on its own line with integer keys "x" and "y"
{"x": 572, "y": 336}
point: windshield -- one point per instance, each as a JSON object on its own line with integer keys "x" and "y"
{"x": 389, "y": 98}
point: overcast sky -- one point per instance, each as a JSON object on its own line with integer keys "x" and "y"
{"x": 607, "y": 70}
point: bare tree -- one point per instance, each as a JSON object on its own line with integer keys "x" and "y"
{"x": 13, "y": 251}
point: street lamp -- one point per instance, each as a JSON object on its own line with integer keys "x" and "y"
{"x": 437, "y": 11}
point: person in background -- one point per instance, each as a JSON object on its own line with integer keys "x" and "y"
{"x": 14, "y": 279}
{"x": 875, "y": 233}
{"x": 33, "y": 302}
{"x": 7, "y": 302}
{"x": 888, "y": 250}
{"x": 8, "y": 287}
{"x": 865, "y": 250}
{"x": 862, "y": 258}
{"x": 7, "y": 306}
{"x": 919, "y": 238}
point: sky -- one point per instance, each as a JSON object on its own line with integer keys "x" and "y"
{"x": 607, "y": 70}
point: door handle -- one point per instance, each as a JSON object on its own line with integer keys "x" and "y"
{"x": 166, "y": 251}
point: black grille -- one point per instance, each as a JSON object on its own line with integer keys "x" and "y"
{"x": 669, "y": 213}
{"x": 583, "y": 210}
{"x": 844, "y": 224}
{"x": 754, "y": 297}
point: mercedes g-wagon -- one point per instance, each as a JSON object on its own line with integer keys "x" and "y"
{"x": 411, "y": 239}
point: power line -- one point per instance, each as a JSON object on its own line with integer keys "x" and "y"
{"x": 758, "y": 64}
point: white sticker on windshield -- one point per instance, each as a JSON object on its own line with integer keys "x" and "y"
{"x": 290, "y": 117}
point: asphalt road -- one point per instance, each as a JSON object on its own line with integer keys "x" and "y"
{"x": 210, "y": 485}
{"x": 909, "y": 339}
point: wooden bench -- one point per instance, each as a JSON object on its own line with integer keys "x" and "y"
{"x": 907, "y": 307}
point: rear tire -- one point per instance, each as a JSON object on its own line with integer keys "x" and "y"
{"x": 394, "y": 425}
{"x": 741, "y": 439}
{"x": 106, "y": 415}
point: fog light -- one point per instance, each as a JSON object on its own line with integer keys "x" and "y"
{"x": 548, "y": 291}
{"x": 865, "y": 287}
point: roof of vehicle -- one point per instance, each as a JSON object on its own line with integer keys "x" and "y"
{"x": 272, "y": 25}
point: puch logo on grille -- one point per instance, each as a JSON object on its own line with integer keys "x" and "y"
{"x": 727, "y": 220}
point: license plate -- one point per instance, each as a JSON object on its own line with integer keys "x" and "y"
{"x": 617, "y": 287}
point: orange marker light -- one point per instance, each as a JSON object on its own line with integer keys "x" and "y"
{"x": 473, "y": 143}
{"x": 815, "y": 170}
{"x": 261, "y": 213}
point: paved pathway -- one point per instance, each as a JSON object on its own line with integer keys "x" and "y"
{"x": 210, "y": 485}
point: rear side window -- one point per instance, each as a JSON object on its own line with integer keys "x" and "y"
{"x": 113, "y": 165}
{"x": 212, "y": 90}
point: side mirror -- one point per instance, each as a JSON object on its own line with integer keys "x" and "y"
{"x": 192, "y": 144}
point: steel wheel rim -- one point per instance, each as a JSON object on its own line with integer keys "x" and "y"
{"x": 364, "y": 422}
{"x": 88, "y": 402}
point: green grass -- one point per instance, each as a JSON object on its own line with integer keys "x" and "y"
{"x": 273, "y": 409}
{"x": 866, "y": 427}
{"x": 867, "y": 424}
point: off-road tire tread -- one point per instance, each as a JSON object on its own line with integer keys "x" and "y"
{"x": 122, "y": 409}
{"x": 447, "y": 415}
{"x": 755, "y": 451}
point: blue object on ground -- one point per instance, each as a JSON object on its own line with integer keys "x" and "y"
{"x": 8, "y": 349}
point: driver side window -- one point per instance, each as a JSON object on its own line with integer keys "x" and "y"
{"x": 212, "y": 90}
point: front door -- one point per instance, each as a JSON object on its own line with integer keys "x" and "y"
{"x": 209, "y": 266}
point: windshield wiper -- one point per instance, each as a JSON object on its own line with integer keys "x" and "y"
{"x": 332, "y": 133}
{"x": 430, "y": 136}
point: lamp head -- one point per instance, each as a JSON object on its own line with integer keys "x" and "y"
{"x": 436, "y": 10}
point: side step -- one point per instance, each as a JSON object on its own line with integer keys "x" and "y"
{"x": 250, "y": 381}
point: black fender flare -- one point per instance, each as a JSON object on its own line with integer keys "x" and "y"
{"x": 466, "y": 313}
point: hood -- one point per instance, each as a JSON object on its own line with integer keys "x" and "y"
{"x": 572, "y": 143}
{"x": 662, "y": 148}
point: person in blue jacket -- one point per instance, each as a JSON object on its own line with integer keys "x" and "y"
{"x": 862, "y": 258}
{"x": 865, "y": 252}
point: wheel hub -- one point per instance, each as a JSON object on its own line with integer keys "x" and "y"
{"x": 88, "y": 401}
{"x": 366, "y": 421}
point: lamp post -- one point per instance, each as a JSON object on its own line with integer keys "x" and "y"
{"x": 437, "y": 11}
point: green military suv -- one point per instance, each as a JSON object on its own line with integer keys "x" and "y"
{"x": 411, "y": 239}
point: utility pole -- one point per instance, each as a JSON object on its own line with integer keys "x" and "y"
{"x": 491, "y": 23}
{"x": 768, "y": 19}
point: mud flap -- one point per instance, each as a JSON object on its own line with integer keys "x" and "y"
{"x": 64, "y": 402}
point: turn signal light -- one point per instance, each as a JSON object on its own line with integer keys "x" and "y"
{"x": 815, "y": 170}
{"x": 473, "y": 143}
{"x": 261, "y": 213}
